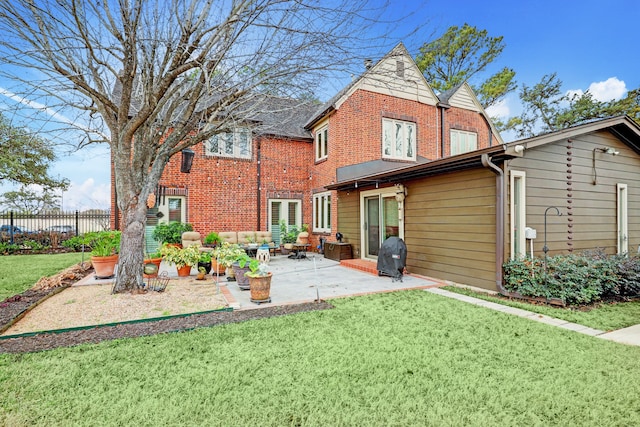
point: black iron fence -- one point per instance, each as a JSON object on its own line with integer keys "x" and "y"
{"x": 19, "y": 225}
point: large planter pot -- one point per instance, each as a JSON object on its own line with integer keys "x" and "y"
{"x": 284, "y": 250}
{"x": 216, "y": 268}
{"x": 241, "y": 279}
{"x": 205, "y": 265}
{"x": 147, "y": 271}
{"x": 104, "y": 266}
{"x": 260, "y": 288}
{"x": 184, "y": 271}
{"x": 303, "y": 237}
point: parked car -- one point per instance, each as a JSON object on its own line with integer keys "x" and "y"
{"x": 6, "y": 229}
{"x": 62, "y": 229}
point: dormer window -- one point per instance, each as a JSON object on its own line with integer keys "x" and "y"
{"x": 322, "y": 143}
{"x": 398, "y": 139}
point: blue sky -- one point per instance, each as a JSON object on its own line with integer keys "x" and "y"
{"x": 590, "y": 44}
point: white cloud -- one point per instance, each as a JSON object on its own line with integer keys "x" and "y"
{"x": 501, "y": 109}
{"x": 608, "y": 90}
{"x": 87, "y": 195}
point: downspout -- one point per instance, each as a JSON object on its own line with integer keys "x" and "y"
{"x": 442, "y": 140}
{"x": 259, "y": 192}
{"x": 500, "y": 221}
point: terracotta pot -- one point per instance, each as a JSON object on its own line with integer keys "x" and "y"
{"x": 184, "y": 271}
{"x": 217, "y": 268}
{"x": 104, "y": 266}
{"x": 303, "y": 237}
{"x": 156, "y": 262}
{"x": 260, "y": 288}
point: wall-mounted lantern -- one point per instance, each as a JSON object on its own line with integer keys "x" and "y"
{"x": 187, "y": 160}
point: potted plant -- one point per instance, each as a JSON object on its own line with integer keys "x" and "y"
{"x": 105, "y": 246}
{"x": 240, "y": 268}
{"x": 205, "y": 261}
{"x": 259, "y": 281}
{"x": 171, "y": 233}
{"x": 226, "y": 254}
{"x": 303, "y": 235}
{"x": 183, "y": 258}
{"x": 288, "y": 236}
{"x": 201, "y": 273}
{"x": 152, "y": 264}
{"x": 212, "y": 240}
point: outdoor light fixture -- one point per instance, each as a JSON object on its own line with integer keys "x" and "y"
{"x": 187, "y": 160}
{"x": 605, "y": 150}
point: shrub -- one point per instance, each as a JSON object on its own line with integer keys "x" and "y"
{"x": 576, "y": 278}
{"x": 171, "y": 233}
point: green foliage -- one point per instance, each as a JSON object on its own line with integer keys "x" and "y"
{"x": 9, "y": 248}
{"x": 228, "y": 253}
{"x": 74, "y": 242}
{"x": 103, "y": 243}
{"x": 180, "y": 256}
{"x": 205, "y": 257}
{"x": 171, "y": 232}
{"x": 348, "y": 366}
{"x": 25, "y": 158}
{"x": 460, "y": 54}
{"x": 576, "y": 278}
{"x": 212, "y": 239}
{"x": 288, "y": 234}
{"x": 547, "y": 109}
{"x": 257, "y": 269}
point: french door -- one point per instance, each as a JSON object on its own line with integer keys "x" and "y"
{"x": 289, "y": 210}
{"x": 379, "y": 219}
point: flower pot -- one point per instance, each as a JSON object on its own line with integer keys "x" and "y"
{"x": 303, "y": 237}
{"x": 148, "y": 274}
{"x": 260, "y": 288}
{"x": 184, "y": 271}
{"x": 241, "y": 279}
{"x": 205, "y": 265}
{"x": 104, "y": 266}
{"x": 284, "y": 250}
{"x": 231, "y": 277}
{"x": 216, "y": 268}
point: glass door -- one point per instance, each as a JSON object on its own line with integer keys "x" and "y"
{"x": 380, "y": 222}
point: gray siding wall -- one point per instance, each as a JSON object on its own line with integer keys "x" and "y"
{"x": 450, "y": 227}
{"x": 561, "y": 174}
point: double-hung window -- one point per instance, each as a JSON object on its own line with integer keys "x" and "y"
{"x": 398, "y": 139}
{"x": 322, "y": 142}
{"x": 463, "y": 142}
{"x": 236, "y": 144}
{"x": 322, "y": 212}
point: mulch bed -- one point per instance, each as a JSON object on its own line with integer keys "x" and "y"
{"x": 16, "y": 306}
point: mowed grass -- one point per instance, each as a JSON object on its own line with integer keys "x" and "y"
{"x": 20, "y": 272}
{"x": 402, "y": 358}
{"x": 604, "y": 316}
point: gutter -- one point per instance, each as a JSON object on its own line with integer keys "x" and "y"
{"x": 500, "y": 221}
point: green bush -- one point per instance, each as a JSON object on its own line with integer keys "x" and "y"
{"x": 171, "y": 233}
{"x": 576, "y": 278}
{"x": 75, "y": 243}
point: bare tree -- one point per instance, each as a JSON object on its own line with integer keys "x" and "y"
{"x": 153, "y": 77}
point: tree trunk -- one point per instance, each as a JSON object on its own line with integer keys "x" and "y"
{"x": 130, "y": 264}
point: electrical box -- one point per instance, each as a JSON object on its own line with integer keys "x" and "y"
{"x": 529, "y": 233}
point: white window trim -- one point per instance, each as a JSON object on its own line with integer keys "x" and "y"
{"x": 382, "y": 192}
{"x": 521, "y": 176}
{"x": 321, "y": 145}
{"x": 237, "y": 154}
{"x": 325, "y": 200}
{"x": 459, "y": 149}
{"x": 405, "y": 124}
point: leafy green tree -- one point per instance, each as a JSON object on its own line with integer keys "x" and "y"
{"x": 547, "y": 109}
{"x": 29, "y": 200}
{"x": 25, "y": 158}
{"x": 459, "y": 55}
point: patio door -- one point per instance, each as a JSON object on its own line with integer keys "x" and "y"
{"x": 289, "y": 210}
{"x": 379, "y": 220}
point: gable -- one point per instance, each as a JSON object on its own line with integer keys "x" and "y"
{"x": 465, "y": 98}
{"x": 395, "y": 75}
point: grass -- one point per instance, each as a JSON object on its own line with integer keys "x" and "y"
{"x": 21, "y": 272}
{"x": 605, "y": 316}
{"x": 401, "y": 358}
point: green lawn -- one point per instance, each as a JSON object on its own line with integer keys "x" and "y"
{"x": 402, "y": 358}
{"x": 21, "y": 272}
{"x": 606, "y": 317}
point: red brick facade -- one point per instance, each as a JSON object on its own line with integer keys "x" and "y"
{"x": 224, "y": 194}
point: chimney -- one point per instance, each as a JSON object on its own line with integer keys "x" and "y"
{"x": 368, "y": 63}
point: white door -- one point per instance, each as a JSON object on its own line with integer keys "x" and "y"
{"x": 379, "y": 219}
{"x": 289, "y": 210}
